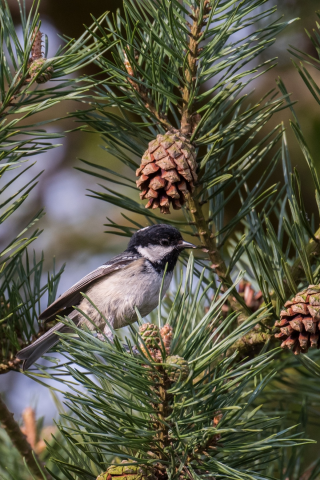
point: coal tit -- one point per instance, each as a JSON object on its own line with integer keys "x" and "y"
{"x": 131, "y": 279}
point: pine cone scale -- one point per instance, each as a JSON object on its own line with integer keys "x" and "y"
{"x": 315, "y": 299}
{"x": 297, "y": 324}
{"x": 166, "y": 163}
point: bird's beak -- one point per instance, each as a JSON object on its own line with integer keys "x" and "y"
{"x": 183, "y": 244}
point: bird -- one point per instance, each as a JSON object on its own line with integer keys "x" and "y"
{"x": 128, "y": 281}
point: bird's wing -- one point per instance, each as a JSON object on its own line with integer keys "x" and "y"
{"x": 73, "y": 295}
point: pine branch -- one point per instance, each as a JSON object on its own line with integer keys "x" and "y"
{"x": 164, "y": 411}
{"x": 20, "y": 442}
{"x": 199, "y": 17}
{"x": 190, "y": 425}
{"x": 206, "y": 237}
{"x": 207, "y": 240}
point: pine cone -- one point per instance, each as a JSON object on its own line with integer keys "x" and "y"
{"x": 35, "y": 68}
{"x": 299, "y": 321}
{"x": 150, "y": 335}
{"x": 167, "y": 171}
{"x": 178, "y": 369}
{"x": 127, "y": 472}
{"x": 166, "y": 335}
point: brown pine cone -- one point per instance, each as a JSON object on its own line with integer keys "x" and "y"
{"x": 300, "y": 320}
{"x": 167, "y": 171}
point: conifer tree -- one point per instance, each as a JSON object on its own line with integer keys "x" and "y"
{"x": 205, "y": 390}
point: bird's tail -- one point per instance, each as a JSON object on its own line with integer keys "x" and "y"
{"x": 34, "y": 351}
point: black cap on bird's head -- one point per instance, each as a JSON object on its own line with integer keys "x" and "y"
{"x": 160, "y": 244}
{"x": 160, "y": 234}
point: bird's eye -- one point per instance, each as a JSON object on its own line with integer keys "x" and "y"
{"x": 164, "y": 242}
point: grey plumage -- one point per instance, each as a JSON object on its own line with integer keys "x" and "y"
{"x": 142, "y": 286}
{"x": 73, "y": 295}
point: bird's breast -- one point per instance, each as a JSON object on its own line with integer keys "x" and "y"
{"x": 117, "y": 295}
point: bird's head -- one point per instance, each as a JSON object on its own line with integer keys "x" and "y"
{"x": 159, "y": 244}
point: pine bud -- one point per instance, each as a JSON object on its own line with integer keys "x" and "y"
{"x": 37, "y": 61}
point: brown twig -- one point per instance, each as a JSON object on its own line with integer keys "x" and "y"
{"x": 191, "y": 69}
{"x": 163, "y": 410}
{"x": 10, "y": 365}
{"x": 20, "y": 442}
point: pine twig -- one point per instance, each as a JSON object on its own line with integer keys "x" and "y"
{"x": 10, "y": 365}
{"x": 20, "y": 442}
{"x": 191, "y": 69}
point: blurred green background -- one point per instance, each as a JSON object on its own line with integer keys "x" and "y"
{"x": 74, "y": 223}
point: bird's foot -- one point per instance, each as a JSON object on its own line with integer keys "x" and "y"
{"x": 133, "y": 349}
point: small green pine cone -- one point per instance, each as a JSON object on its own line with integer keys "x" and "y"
{"x": 35, "y": 68}
{"x": 179, "y": 369}
{"x": 150, "y": 335}
{"x": 127, "y": 472}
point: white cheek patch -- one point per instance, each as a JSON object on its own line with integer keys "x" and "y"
{"x": 155, "y": 253}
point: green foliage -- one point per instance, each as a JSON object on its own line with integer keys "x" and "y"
{"x": 118, "y": 415}
{"x": 21, "y": 288}
{"x": 22, "y": 135}
{"x": 232, "y": 416}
